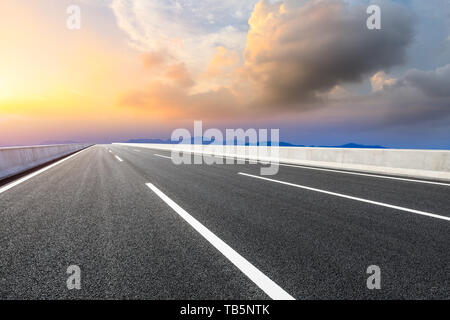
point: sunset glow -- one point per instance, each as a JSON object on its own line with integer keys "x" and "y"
{"x": 139, "y": 69}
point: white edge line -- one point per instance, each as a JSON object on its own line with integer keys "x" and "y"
{"x": 260, "y": 279}
{"x": 328, "y": 170}
{"x": 365, "y": 174}
{"x": 118, "y": 158}
{"x": 423, "y": 213}
{"x": 161, "y": 156}
{"x": 31, "y": 175}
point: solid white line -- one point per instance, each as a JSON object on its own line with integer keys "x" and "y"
{"x": 366, "y": 174}
{"x": 118, "y": 158}
{"x": 31, "y": 175}
{"x": 159, "y": 155}
{"x": 251, "y": 161}
{"x": 260, "y": 279}
{"x": 339, "y": 171}
{"x": 350, "y": 197}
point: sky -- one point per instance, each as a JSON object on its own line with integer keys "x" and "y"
{"x": 142, "y": 68}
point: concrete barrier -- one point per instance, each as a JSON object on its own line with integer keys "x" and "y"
{"x": 428, "y": 164}
{"x": 16, "y": 160}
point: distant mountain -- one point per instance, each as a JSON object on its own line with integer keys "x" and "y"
{"x": 355, "y": 146}
{"x": 280, "y": 144}
{"x": 268, "y": 143}
{"x": 205, "y": 142}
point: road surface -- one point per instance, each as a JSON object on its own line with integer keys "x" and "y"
{"x": 140, "y": 227}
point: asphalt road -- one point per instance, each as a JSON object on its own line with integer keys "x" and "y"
{"x": 95, "y": 210}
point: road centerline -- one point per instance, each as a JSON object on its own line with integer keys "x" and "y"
{"x": 423, "y": 213}
{"x": 118, "y": 158}
{"x": 260, "y": 279}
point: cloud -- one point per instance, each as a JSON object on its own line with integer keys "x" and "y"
{"x": 380, "y": 80}
{"x": 179, "y": 74}
{"x": 221, "y": 62}
{"x": 188, "y": 30}
{"x": 152, "y": 60}
{"x": 293, "y": 52}
{"x": 298, "y": 57}
{"x": 163, "y": 100}
{"x": 435, "y": 83}
{"x": 296, "y": 50}
{"x": 417, "y": 97}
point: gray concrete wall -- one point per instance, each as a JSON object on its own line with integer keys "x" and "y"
{"x": 16, "y": 160}
{"x": 429, "y": 164}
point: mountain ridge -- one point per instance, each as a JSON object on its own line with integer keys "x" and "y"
{"x": 350, "y": 145}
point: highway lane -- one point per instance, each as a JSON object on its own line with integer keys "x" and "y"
{"x": 97, "y": 210}
{"x": 94, "y": 212}
{"x": 431, "y": 197}
{"x": 321, "y": 243}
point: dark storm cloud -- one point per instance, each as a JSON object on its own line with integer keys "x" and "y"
{"x": 433, "y": 83}
{"x": 296, "y": 50}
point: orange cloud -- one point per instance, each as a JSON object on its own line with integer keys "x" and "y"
{"x": 152, "y": 60}
{"x": 179, "y": 74}
{"x": 380, "y": 80}
{"x": 222, "y": 62}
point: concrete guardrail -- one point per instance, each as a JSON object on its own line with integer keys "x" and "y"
{"x": 15, "y": 160}
{"x": 427, "y": 164}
